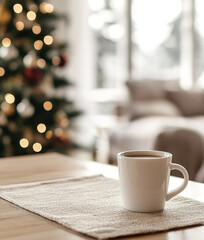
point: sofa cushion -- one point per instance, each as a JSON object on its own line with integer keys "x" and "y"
{"x": 191, "y": 103}
{"x": 149, "y": 89}
{"x": 153, "y": 108}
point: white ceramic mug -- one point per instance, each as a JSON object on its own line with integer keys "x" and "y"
{"x": 144, "y": 179}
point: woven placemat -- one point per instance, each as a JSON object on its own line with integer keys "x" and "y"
{"x": 92, "y": 205}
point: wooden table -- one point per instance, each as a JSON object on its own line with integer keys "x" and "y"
{"x": 19, "y": 224}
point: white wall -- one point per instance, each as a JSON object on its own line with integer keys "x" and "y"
{"x": 81, "y": 48}
{"x": 81, "y": 68}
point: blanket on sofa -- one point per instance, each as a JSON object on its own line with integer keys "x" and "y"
{"x": 183, "y": 137}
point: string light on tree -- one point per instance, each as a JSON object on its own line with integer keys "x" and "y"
{"x": 48, "y": 40}
{"x": 41, "y": 128}
{"x": 2, "y": 72}
{"x": 37, "y": 147}
{"x": 43, "y": 7}
{"x": 31, "y": 15}
{"x": 6, "y": 42}
{"x": 49, "y": 134}
{"x": 59, "y": 60}
{"x": 36, "y": 29}
{"x": 49, "y": 8}
{"x": 17, "y": 8}
{"x": 24, "y": 143}
{"x": 38, "y": 44}
{"x": 19, "y": 26}
{"x": 47, "y": 105}
{"x": 9, "y": 98}
{"x": 46, "y": 7}
{"x": 41, "y": 63}
{"x": 56, "y": 60}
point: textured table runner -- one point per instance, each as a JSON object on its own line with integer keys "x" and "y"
{"x": 92, "y": 205}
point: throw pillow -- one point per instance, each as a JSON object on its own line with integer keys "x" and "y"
{"x": 149, "y": 89}
{"x": 191, "y": 103}
{"x": 153, "y": 108}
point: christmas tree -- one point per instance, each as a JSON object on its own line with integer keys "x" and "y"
{"x": 35, "y": 115}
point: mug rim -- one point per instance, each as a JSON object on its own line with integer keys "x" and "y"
{"x": 144, "y": 152}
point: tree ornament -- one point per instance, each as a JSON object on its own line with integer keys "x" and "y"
{"x": 5, "y": 15}
{"x": 63, "y": 60}
{"x": 32, "y": 75}
{"x": 25, "y": 108}
{"x": 12, "y": 52}
{"x": 60, "y": 140}
{"x": 29, "y": 59}
{"x": 60, "y": 137}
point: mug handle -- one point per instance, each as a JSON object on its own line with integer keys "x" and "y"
{"x": 173, "y": 193}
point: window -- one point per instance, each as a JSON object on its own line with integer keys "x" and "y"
{"x": 155, "y": 39}
{"x": 107, "y": 21}
{"x": 148, "y": 40}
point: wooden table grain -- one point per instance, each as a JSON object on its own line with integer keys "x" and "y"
{"x": 19, "y": 224}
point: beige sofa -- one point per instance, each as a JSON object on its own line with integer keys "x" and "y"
{"x": 163, "y": 117}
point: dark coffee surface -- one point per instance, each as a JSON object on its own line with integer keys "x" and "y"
{"x": 140, "y": 156}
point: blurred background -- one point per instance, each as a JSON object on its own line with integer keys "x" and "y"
{"x": 64, "y": 67}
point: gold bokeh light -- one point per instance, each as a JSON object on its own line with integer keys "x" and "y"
{"x": 9, "y": 98}
{"x": 49, "y": 8}
{"x": 56, "y": 60}
{"x": 31, "y": 15}
{"x": 49, "y": 134}
{"x": 46, "y": 7}
{"x": 48, "y": 40}
{"x": 37, "y": 147}
{"x": 47, "y": 105}
{"x": 17, "y": 8}
{"x": 24, "y": 143}
{"x": 19, "y": 25}
{"x": 2, "y": 71}
{"x": 38, "y": 44}
{"x": 36, "y": 29}
{"x": 41, "y": 128}
{"x": 6, "y": 42}
{"x": 43, "y": 7}
{"x": 41, "y": 63}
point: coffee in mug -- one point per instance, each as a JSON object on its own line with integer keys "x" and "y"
{"x": 144, "y": 179}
